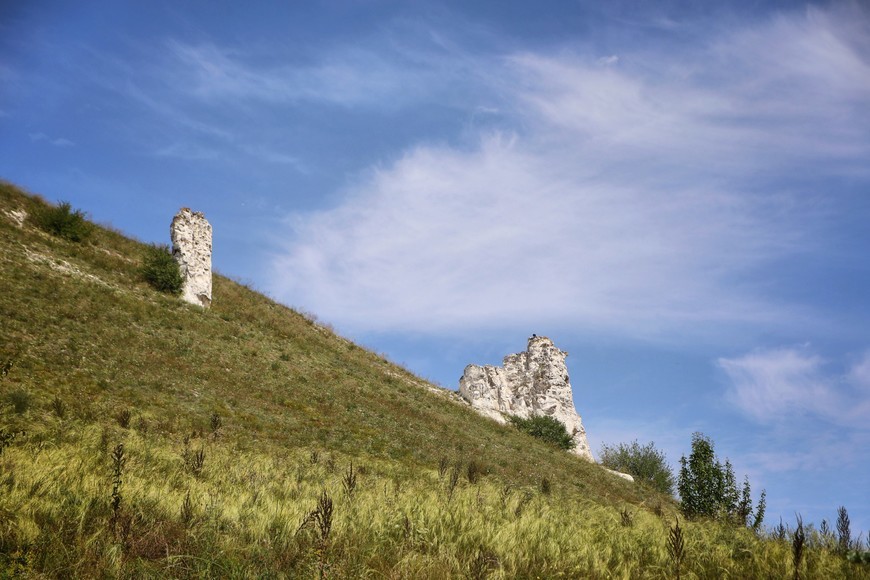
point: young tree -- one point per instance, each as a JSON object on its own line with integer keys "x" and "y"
{"x": 644, "y": 462}
{"x": 709, "y": 489}
{"x": 701, "y": 480}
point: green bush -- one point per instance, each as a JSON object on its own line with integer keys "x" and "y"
{"x": 161, "y": 270}
{"x": 546, "y": 428}
{"x": 643, "y": 462}
{"x": 20, "y": 400}
{"x": 63, "y": 221}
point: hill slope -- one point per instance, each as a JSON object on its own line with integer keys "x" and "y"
{"x": 155, "y": 438}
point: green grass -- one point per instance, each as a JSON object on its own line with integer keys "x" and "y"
{"x": 234, "y": 421}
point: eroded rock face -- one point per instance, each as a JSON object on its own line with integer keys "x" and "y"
{"x": 191, "y": 247}
{"x": 530, "y": 383}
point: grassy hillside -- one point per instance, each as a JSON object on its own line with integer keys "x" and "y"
{"x": 145, "y": 437}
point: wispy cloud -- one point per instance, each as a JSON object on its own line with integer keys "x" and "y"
{"x": 621, "y": 199}
{"x": 786, "y": 383}
{"x": 187, "y": 151}
{"x": 56, "y": 141}
{"x": 385, "y": 77}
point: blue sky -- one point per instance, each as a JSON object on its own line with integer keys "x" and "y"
{"x": 678, "y": 195}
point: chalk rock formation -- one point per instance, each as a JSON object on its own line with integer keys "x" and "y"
{"x": 530, "y": 383}
{"x": 191, "y": 247}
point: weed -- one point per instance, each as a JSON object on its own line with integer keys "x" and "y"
{"x": 825, "y": 530}
{"x": 187, "y": 510}
{"x": 118, "y": 461}
{"x": 194, "y": 461}
{"x": 546, "y": 486}
{"x": 505, "y": 495}
{"x": 314, "y": 457}
{"x": 522, "y": 503}
{"x": 479, "y": 567}
{"x": 844, "y": 534}
{"x": 123, "y": 418}
{"x": 676, "y": 548}
{"x": 58, "y": 407}
{"x": 798, "y": 541}
{"x": 215, "y": 423}
{"x": 443, "y": 464}
{"x": 63, "y": 221}
{"x": 6, "y": 438}
{"x": 348, "y": 481}
{"x": 452, "y": 481}
{"x": 626, "y": 518}
{"x": 321, "y": 517}
{"x": 20, "y": 400}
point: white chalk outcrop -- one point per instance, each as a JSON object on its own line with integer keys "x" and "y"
{"x": 534, "y": 382}
{"x": 191, "y": 247}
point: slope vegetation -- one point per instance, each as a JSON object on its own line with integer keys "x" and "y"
{"x": 141, "y": 436}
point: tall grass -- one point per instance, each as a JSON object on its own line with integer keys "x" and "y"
{"x": 257, "y": 514}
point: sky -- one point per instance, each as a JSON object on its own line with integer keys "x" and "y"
{"x": 676, "y": 193}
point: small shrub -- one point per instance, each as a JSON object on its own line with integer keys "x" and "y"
{"x": 626, "y": 518}
{"x": 20, "y": 400}
{"x": 64, "y": 222}
{"x": 5, "y": 367}
{"x": 545, "y": 428}
{"x": 546, "y": 486}
{"x": 643, "y": 462}
{"x": 161, "y": 270}
{"x": 473, "y": 472}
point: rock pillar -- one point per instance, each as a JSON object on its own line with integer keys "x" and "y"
{"x": 191, "y": 248}
{"x": 534, "y": 382}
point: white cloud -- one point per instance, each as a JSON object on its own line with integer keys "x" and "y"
{"x": 787, "y": 383}
{"x": 56, "y": 141}
{"x": 859, "y": 374}
{"x": 623, "y": 200}
{"x": 780, "y": 383}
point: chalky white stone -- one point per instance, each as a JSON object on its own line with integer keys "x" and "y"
{"x": 191, "y": 247}
{"x": 530, "y": 383}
